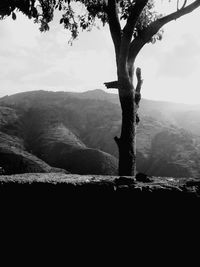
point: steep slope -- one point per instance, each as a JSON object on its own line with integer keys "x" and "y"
{"x": 45, "y": 133}
{"x": 59, "y": 147}
{"x": 174, "y": 153}
{"x": 10, "y": 121}
{"x": 84, "y": 160}
{"x": 13, "y": 156}
{"x": 189, "y": 120}
{"x": 15, "y": 159}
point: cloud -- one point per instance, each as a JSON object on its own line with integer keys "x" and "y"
{"x": 182, "y": 60}
{"x": 47, "y": 61}
{"x": 30, "y": 60}
{"x": 73, "y": 69}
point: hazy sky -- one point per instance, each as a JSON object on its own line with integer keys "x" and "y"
{"x": 30, "y": 60}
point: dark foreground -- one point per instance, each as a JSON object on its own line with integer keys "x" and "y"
{"x": 58, "y": 192}
{"x": 104, "y": 216}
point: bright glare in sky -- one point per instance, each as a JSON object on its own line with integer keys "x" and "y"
{"x": 30, "y": 60}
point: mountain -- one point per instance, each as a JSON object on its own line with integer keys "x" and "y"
{"x": 175, "y": 153}
{"x": 15, "y": 159}
{"x": 43, "y": 127}
{"x": 74, "y": 131}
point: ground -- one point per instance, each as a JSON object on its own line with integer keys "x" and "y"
{"x": 98, "y": 214}
{"x": 150, "y": 186}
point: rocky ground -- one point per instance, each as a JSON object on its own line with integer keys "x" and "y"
{"x": 141, "y": 186}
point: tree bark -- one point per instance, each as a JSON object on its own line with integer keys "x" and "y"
{"x": 127, "y": 141}
{"x": 129, "y": 99}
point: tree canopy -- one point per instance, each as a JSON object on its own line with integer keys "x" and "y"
{"x": 138, "y": 16}
{"x": 82, "y": 14}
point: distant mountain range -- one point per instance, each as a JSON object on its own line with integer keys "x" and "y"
{"x": 74, "y": 132}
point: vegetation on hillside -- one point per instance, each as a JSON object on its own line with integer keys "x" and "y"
{"x": 61, "y": 129}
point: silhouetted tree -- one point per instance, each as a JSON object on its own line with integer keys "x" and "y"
{"x": 141, "y": 26}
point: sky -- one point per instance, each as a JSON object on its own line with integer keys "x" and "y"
{"x": 31, "y": 60}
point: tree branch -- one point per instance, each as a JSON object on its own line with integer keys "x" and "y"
{"x": 112, "y": 85}
{"x": 139, "y": 80}
{"x": 114, "y": 25}
{"x": 184, "y": 4}
{"x": 155, "y": 26}
{"x": 137, "y": 92}
{"x": 128, "y": 31}
{"x": 133, "y": 18}
{"x": 179, "y": 13}
{"x": 147, "y": 33}
{"x": 134, "y": 48}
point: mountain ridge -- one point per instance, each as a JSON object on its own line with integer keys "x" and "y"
{"x": 99, "y": 94}
{"x": 94, "y": 117}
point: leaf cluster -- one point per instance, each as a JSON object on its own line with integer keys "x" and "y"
{"x": 75, "y": 15}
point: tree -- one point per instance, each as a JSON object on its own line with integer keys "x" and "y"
{"x": 141, "y": 26}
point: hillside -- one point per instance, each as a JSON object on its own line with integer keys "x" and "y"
{"x": 74, "y": 131}
{"x": 46, "y": 131}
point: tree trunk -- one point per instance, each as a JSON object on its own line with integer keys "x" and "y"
{"x": 127, "y": 141}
